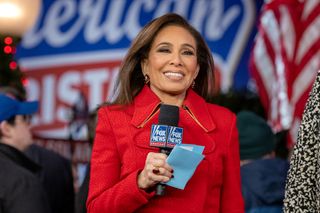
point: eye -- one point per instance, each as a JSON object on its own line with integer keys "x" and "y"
{"x": 187, "y": 52}
{"x": 163, "y": 50}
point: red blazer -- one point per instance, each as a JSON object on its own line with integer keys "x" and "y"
{"x": 122, "y": 144}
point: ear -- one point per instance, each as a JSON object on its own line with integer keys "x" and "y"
{"x": 144, "y": 65}
{"x": 197, "y": 72}
{"x": 5, "y": 128}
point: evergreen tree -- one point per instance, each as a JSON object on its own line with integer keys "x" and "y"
{"x": 10, "y": 73}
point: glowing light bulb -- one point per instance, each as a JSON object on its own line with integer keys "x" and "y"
{"x": 8, "y": 40}
{"x": 9, "y": 10}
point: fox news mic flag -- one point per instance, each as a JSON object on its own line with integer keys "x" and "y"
{"x": 285, "y": 60}
{"x": 166, "y": 134}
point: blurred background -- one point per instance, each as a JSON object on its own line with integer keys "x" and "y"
{"x": 66, "y": 54}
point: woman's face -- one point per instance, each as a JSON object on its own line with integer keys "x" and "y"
{"x": 172, "y": 63}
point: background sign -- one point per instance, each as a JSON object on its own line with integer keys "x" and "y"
{"x": 76, "y": 48}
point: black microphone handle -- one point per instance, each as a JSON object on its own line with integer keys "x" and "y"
{"x": 160, "y": 188}
{"x": 169, "y": 115}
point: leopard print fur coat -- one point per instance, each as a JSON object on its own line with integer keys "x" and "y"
{"x": 302, "y": 193}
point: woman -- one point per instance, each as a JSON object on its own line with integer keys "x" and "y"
{"x": 168, "y": 63}
{"x": 303, "y": 181}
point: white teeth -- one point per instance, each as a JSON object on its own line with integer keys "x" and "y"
{"x": 174, "y": 74}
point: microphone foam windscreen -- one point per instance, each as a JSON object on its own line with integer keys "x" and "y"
{"x": 169, "y": 115}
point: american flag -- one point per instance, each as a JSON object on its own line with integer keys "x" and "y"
{"x": 285, "y": 60}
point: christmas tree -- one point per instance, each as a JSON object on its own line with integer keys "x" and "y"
{"x": 10, "y": 73}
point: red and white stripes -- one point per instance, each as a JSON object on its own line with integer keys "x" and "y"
{"x": 286, "y": 58}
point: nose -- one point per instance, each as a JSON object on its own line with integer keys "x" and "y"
{"x": 176, "y": 59}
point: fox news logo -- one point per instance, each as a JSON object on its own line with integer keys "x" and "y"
{"x": 174, "y": 136}
{"x": 158, "y": 136}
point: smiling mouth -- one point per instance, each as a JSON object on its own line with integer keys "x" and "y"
{"x": 174, "y": 75}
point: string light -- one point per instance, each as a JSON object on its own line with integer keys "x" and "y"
{"x": 10, "y": 49}
{"x": 13, "y": 65}
{"x": 7, "y": 49}
{"x": 8, "y": 40}
{"x": 24, "y": 81}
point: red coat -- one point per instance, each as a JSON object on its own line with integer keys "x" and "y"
{"x": 122, "y": 144}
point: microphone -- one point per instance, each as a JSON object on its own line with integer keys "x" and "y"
{"x": 165, "y": 135}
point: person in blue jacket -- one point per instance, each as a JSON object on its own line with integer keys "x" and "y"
{"x": 263, "y": 175}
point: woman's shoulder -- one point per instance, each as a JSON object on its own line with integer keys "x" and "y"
{"x": 222, "y": 116}
{"x": 112, "y": 109}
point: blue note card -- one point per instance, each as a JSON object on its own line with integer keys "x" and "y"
{"x": 184, "y": 159}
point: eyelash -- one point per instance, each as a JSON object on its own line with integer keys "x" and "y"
{"x": 186, "y": 52}
{"x": 163, "y": 50}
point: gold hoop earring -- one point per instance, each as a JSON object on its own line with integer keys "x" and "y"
{"x": 146, "y": 79}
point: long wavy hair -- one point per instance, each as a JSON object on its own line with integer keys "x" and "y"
{"x": 131, "y": 80}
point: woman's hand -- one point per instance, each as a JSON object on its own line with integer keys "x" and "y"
{"x": 155, "y": 170}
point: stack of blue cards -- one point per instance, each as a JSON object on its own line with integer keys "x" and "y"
{"x": 184, "y": 159}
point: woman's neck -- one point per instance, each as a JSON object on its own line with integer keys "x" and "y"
{"x": 171, "y": 99}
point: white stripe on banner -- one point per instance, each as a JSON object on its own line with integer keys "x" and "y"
{"x": 287, "y": 31}
{"x": 310, "y": 36}
{"x": 264, "y": 65}
{"x": 309, "y": 5}
{"x": 271, "y": 27}
{"x": 72, "y": 58}
{"x": 305, "y": 78}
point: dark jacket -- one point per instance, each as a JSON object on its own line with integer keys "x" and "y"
{"x": 82, "y": 194}
{"x": 20, "y": 190}
{"x": 263, "y": 185}
{"x": 56, "y": 177}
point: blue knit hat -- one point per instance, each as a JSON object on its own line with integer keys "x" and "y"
{"x": 10, "y": 107}
{"x": 255, "y": 136}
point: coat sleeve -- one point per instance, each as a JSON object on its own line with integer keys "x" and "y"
{"x": 108, "y": 191}
{"x": 231, "y": 198}
{"x": 302, "y": 186}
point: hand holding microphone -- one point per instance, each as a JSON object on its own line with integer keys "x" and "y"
{"x": 156, "y": 170}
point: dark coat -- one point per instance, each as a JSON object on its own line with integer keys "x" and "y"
{"x": 82, "y": 195}
{"x": 263, "y": 185}
{"x": 56, "y": 177}
{"x": 20, "y": 190}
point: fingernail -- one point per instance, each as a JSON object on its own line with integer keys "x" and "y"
{"x": 172, "y": 171}
{"x": 172, "y": 176}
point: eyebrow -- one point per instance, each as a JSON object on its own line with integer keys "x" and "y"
{"x": 184, "y": 44}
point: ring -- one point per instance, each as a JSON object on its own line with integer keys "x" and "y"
{"x": 156, "y": 170}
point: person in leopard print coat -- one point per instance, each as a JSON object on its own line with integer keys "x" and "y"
{"x": 303, "y": 181}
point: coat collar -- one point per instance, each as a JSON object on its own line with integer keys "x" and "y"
{"x": 147, "y": 105}
{"x": 19, "y": 158}
{"x": 198, "y": 107}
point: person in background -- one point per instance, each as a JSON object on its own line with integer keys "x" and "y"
{"x": 56, "y": 177}
{"x": 82, "y": 194}
{"x": 303, "y": 182}
{"x": 168, "y": 63}
{"x": 262, "y": 175}
{"x": 55, "y": 173}
{"x": 20, "y": 189}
